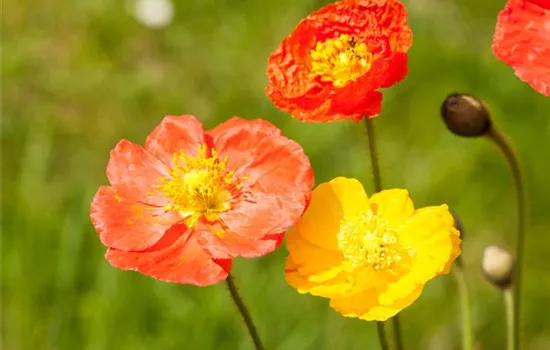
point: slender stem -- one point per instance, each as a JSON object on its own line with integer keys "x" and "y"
{"x": 373, "y": 151}
{"x": 244, "y": 312}
{"x": 511, "y": 336}
{"x": 513, "y": 160}
{"x": 397, "y": 332}
{"x": 382, "y": 336}
{"x": 377, "y": 179}
{"x": 464, "y": 295}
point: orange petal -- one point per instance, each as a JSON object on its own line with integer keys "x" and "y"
{"x": 125, "y": 224}
{"x": 222, "y": 243}
{"x": 277, "y": 177}
{"x": 134, "y": 173}
{"x": 174, "y": 134}
{"x": 184, "y": 262}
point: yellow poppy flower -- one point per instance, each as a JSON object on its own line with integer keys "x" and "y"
{"x": 370, "y": 256}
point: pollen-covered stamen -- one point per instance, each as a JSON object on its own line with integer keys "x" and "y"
{"x": 340, "y": 60}
{"x": 366, "y": 241}
{"x": 199, "y": 186}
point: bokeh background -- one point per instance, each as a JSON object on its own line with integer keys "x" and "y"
{"x": 79, "y": 76}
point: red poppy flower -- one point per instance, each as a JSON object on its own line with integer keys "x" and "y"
{"x": 331, "y": 66}
{"x": 180, "y": 208}
{"x": 522, "y": 40}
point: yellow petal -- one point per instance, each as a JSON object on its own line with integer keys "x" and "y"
{"x": 365, "y": 305}
{"x": 393, "y": 206}
{"x": 351, "y": 195}
{"x": 433, "y": 238}
{"x": 382, "y": 313}
{"x": 310, "y": 258}
{"x": 398, "y": 290}
{"x": 455, "y": 252}
{"x": 337, "y": 286}
{"x": 321, "y": 221}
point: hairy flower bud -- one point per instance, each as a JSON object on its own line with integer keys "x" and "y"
{"x": 465, "y": 115}
{"x": 498, "y": 266}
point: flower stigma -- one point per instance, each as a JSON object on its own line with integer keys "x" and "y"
{"x": 199, "y": 186}
{"x": 340, "y": 60}
{"x": 365, "y": 241}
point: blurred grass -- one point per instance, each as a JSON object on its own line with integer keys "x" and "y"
{"x": 77, "y": 77}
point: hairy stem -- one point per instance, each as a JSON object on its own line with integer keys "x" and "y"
{"x": 244, "y": 312}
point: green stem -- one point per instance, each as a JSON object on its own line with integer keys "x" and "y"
{"x": 382, "y": 336}
{"x": 511, "y": 336}
{"x": 377, "y": 179}
{"x": 506, "y": 148}
{"x": 373, "y": 151}
{"x": 244, "y": 312}
{"x": 464, "y": 295}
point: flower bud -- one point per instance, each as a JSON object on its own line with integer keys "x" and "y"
{"x": 465, "y": 115}
{"x": 498, "y": 266}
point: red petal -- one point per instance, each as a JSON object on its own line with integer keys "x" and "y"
{"x": 278, "y": 174}
{"x": 125, "y": 224}
{"x": 522, "y": 40}
{"x": 174, "y": 134}
{"x": 134, "y": 173}
{"x": 184, "y": 262}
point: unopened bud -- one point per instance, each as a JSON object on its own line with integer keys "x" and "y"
{"x": 498, "y": 266}
{"x": 465, "y": 115}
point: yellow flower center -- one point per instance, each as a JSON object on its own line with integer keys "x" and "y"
{"x": 199, "y": 186}
{"x": 365, "y": 241}
{"x": 340, "y": 60}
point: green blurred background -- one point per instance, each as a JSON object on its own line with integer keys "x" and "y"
{"x": 79, "y": 76}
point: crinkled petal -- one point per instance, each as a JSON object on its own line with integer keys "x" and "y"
{"x": 522, "y": 40}
{"x": 184, "y": 261}
{"x": 381, "y": 25}
{"x": 275, "y": 174}
{"x": 174, "y": 134}
{"x": 125, "y": 224}
{"x": 222, "y": 243}
{"x": 135, "y": 173}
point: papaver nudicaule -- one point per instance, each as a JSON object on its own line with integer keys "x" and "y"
{"x": 180, "y": 208}
{"x": 370, "y": 256}
{"x": 333, "y": 64}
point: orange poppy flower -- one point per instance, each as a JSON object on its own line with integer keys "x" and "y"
{"x": 522, "y": 40}
{"x": 180, "y": 208}
{"x": 331, "y": 66}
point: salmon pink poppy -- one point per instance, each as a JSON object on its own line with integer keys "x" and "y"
{"x": 337, "y": 58}
{"x": 180, "y": 208}
{"x": 522, "y": 40}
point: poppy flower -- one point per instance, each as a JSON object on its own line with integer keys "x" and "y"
{"x": 370, "y": 256}
{"x": 333, "y": 63}
{"x": 180, "y": 208}
{"x": 522, "y": 40}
